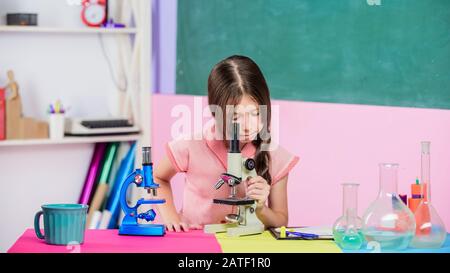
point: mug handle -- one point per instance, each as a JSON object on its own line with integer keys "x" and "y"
{"x": 37, "y": 228}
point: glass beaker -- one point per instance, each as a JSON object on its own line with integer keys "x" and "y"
{"x": 347, "y": 228}
{"x": 430, "y": 229}
{"x": 387, "y": 221}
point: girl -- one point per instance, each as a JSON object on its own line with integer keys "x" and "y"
{"x": 238, "y": 82}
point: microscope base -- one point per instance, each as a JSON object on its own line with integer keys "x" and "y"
{"x": 244, "y": 230}
{"x": 218, "y": 228}
{"x": 234, "y": 230}
{"x": 248, "y": 223}
{"x": 142, "y": 229}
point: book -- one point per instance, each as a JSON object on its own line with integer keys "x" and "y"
{"x": 122, "y": 151}
{"x": 95, "y": 220}
{"x": 102, "y": 187}
{"x": 105, "y": 219}
{"x": 126, "y": 168}
{"x": 93, "y": 173}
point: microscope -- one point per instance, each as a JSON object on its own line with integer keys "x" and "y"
{"x": 245, "y": 221}
{"x": 141, "y": 178}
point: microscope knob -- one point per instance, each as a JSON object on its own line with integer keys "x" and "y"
{"x": 148, "y": 216}
{"x": 138, "y": 179}
{"x": 250, "y": 164}
{"x": 219, "y": 184}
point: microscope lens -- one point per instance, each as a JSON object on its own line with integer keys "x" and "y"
{"x": 146, "y": 155}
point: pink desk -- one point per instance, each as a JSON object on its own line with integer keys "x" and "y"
{"x": 108, "y": 241}
{"x": 194, "y": 241}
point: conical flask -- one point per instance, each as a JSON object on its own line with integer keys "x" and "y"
{"x": 387, "y": 221}
{"x": 430, "y": 229}
{"x": 347, "y": 228}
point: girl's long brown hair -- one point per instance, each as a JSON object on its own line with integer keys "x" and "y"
{"x": 228, "y": 81}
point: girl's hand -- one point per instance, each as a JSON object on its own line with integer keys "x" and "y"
{"x": 258, "y": 189}
{"x": 178, "y": 226}
{"x": 195, "y": 226}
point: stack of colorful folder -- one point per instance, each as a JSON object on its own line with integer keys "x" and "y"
{"x": 110, "y": 165}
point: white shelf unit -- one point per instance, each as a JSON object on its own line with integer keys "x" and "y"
{"x": 70, "y": 140}
{"x": 58, "y": 166}
{"x": 135, "y": 62}
{"x": 38, "y": 29}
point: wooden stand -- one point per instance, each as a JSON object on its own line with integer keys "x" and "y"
{"x": 17, "y": 126}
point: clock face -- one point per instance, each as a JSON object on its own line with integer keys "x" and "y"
{"x": 94, "y": 14}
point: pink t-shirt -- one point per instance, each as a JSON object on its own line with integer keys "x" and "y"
{"x": 203, "y": 158}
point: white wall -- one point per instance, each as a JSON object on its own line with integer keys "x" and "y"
{"x": 48, "y": 66}
{"x": 34, "y": 175}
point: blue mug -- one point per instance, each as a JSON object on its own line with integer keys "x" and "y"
{"x": 63, "y": 223}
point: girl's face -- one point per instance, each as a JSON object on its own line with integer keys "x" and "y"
{"x": 246, "y": 113}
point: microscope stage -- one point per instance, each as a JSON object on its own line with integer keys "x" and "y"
{"x": 234, "y": 201}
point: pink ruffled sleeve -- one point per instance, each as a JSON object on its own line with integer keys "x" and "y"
{"x": 282, "y": 163}
{"x": 178, "y": 153}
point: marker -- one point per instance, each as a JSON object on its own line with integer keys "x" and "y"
{"x": 416, "y": 195}
{"x": 283, "y": 232}
{"x": 307, "y": 236}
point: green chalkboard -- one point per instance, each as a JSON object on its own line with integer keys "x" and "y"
{"x": 343, "y": 51}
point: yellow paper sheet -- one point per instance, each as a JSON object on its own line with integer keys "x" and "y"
{"x": 266, "y": 243}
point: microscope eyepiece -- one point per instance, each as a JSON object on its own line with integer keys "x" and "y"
{"x": 146, "y": 155}
{"x": 234, "y": 142}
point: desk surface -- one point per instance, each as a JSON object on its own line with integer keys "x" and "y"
{"x": 194, "y": 241}
{"x": 108, "y": 241}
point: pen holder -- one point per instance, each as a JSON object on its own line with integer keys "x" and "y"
{"x": 56, "y": 126}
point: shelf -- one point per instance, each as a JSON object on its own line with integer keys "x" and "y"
{"x": 38, "y": 29}
{"x": 69, "y": 140}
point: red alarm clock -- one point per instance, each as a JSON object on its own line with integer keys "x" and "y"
{"x": 93, "y": 13}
